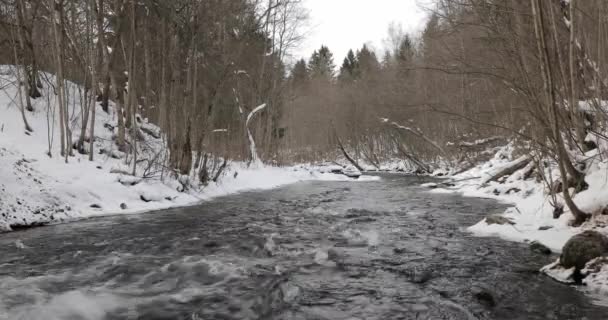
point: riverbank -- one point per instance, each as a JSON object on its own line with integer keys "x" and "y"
{"x": 39, "y": 186}
{"x": 532, "y": 217}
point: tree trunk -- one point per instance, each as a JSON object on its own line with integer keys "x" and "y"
{"x": 551, "y": 103}
{"x": 61, "y": 99}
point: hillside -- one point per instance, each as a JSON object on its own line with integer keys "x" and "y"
{"x": 36, "y": 188}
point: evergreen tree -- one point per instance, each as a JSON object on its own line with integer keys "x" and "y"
{"x": 349, "y": 67}
{"x": 405, "y": 52}
{"x": 367, "y": 62}
{"x": 299, "y": 74}
{"x": 321, "y": 64}
{"x": 430, "y": 31}
{"x": 387, "y": 60}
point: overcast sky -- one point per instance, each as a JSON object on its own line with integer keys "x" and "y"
{"x": 346, "y": 24}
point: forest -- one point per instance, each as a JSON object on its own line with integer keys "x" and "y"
{"x": 290, "y": 187}
{"x": 220, "y": 81}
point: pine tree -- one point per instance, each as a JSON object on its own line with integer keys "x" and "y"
{"x": 321, "y": 64}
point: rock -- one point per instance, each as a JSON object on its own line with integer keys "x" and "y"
{"x": 545, "y": 228}
{"x": 211, "y": 244}
{"x": 335, "y": 255}
{"x": 498, "y": 219}
{"x": 513, "y": 190}
{"x": 335, "y": 169}
{"x": 538, "y": 247}
{"x": 95, "y": 206}
{"x": 558, "y": 211}
{"x": 123, "y": 206}
{"x": 420, "y": 277}
{"x": 352, "y": 173}
{"x": 399, "y": 250}
{"x": 362, "y": 220}
{"x": 583, "y": 248}
{"x": 149, "y": 197}
{"x": 484, "y": 297}
{"x": 129, "y": 180}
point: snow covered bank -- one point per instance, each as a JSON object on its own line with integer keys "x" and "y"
{"x": 37, "y": 189}
{"x": 533, "y": 217}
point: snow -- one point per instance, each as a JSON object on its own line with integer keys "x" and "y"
{"x": 596, "y": 279}
{"x": 555, "y": 271}
{"x": 593, "y": 106}
{"x": 532, "y": 210}
{"x": 38, "y": 189}
{"x": 254, "y": 153}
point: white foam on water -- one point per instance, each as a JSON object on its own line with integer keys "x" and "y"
{"x": 270, "y": 245}
{"x": 362, "y": 237}
{"x": 320, "y": 256}
{"x": 19, "y": 244}
{"x": 71, "y": 305}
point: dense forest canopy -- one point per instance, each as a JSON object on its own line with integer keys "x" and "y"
{"x": 220, "y": 80}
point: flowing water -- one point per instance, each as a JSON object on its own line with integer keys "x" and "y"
{"x": 317, "y": 250}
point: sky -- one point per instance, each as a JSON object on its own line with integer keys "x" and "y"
{"x": 348, "y": 24}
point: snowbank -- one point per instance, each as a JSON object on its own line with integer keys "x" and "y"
{"x": 532, "y": 212}
{"x": 532, "y": 216}
{"x": 38, "y": 189}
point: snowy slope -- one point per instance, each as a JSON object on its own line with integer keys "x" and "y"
{"x": 38, "y": 189}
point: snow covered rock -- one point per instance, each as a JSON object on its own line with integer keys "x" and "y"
{"x": 430, "y": 185}
{"x": 583, "y": 255}
{"x": 352, "y": 172}
{"x": 129, "y": 180}
{"x": 333, "y": 169}
{"x": 149, "y": 196}
{"x": 583, "y": 248}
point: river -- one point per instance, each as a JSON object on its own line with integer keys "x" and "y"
{"x": 384, "y": 249}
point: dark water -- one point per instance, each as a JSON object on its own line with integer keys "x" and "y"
{"x": 317, "y": 250}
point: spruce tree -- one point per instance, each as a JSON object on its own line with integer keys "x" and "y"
{"x": 387, "y": 60}
{"x": 349, "y": 66}
{"x": 367, "y": 63}
{"x": 405, "y": 52}
{"x": 321, "y": 64}
{"x": 299, "y": 74}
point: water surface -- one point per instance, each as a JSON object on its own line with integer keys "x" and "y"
{"x": 386, "y": 249}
